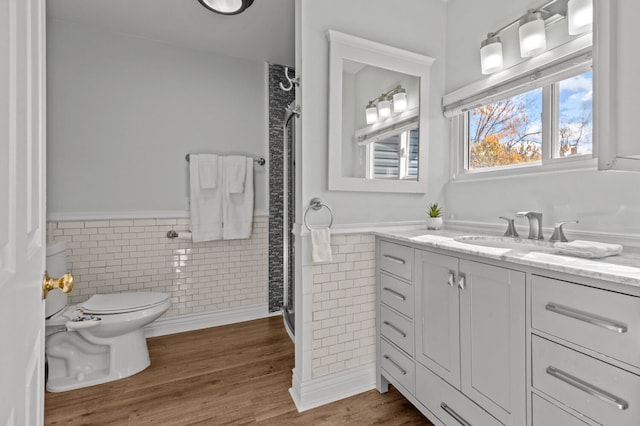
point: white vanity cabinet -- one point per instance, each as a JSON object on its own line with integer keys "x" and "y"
{"x": 470, "y": 323}
{"x": 467, "y": 352}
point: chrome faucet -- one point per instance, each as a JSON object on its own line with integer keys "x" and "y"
{"x": 534, "y": 218}
{"x": 511, "y": 229}
{"x": 558, "y": 235}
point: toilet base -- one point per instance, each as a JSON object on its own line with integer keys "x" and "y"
{"x": 78, "y": 359}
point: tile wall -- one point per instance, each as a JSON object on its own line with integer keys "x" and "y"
{"x": 108, "y": 256}
{"x": 343, "y": 309}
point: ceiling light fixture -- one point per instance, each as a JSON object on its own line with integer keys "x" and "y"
{"x": 531, "y": 30}
{"x": 392, "y": 102}
{"x": 226, "y": 7}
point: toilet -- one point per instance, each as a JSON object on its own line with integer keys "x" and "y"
{"x": 99, "y": 340}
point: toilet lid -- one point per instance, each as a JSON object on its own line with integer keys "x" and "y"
{"x": 122, "y": 302}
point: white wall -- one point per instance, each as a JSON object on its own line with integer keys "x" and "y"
{"x": 415, "y": 25}
{"x": 602, "y": 201}
{"x": 123, "y": 112}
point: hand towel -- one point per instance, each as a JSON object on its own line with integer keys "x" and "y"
{"x": 236, "y": 173}
{"x": 208, "y": 171}
{"x": 320, "y": 245}
{"x": 589, "y": 249}
{"x": 237, "y": 216}
{"x": 205, "y": 203}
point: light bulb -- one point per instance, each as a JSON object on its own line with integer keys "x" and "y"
{"x": 384, "y": 109}
{"x": 533, "y": 39}
{"x": 491, "y": 55}
{"x": 400, "y": 101}
{"x": 580, "y": 16}
{"x": 371, "y": 113}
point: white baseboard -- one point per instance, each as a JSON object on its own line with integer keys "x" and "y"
{"x": 189, "y": 322}
{"x": 333, "y": 387}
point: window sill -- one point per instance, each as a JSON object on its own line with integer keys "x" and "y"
{"x": 563, "y": 166}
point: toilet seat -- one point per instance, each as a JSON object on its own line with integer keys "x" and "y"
{"x": 116, "y": 303}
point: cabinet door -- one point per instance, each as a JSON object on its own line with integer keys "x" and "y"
{"x": 437, "y": 310}
{"x": 492, "y": 339}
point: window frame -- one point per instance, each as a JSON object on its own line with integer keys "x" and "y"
{"x": 546, "y": 71}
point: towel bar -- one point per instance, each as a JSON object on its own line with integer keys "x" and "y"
{"x": 316, "y": 204}
{"x": 261, "y": 161}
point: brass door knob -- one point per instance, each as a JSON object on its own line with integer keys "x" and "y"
{"x": 64, "y": 283}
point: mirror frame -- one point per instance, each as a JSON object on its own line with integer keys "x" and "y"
{"x": 347, "y": 47}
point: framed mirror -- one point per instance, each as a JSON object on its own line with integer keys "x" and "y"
{"x": 378, "y": 110}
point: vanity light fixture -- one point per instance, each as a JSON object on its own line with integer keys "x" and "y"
{"x": 392, "y": 102}
{"x": 531, "y": 30}
{"x": 226, "y": 7}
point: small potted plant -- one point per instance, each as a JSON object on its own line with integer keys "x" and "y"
{"x": 434, "y": 216}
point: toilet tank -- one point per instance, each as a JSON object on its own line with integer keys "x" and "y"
{"x": 56, "y": 267}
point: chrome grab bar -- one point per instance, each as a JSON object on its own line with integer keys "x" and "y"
{"x": 394, "y": 259}
{"x": 586, "y": 317}
{"x": 394, "y": 328}
{"x": 457, "y": 417}
{"x": 588, "y": 388}
{"x": 395, "y": 364}
{"x": 395, "y": 293}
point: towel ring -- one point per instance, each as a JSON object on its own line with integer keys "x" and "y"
{"x": 316, "y": 204}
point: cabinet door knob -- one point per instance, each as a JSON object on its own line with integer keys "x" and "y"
{"x": 451, "y": 279}
{"x": 461, "y": 282}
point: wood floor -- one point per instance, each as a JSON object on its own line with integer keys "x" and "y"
{"x": 232, "y": 375}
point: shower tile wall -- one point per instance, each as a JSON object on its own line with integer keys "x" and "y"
{"x": 111, "y": 256}
{"x": 278, "y": 101}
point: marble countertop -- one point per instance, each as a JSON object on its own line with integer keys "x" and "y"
{"x": 622, "y": 269}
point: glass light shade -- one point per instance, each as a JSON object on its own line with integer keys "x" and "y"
{"x": 533, "y": 39}
{"x": 371, "y": 114}
{"x": 580, "y": 16}
{"x": 384, "y": 109}
{"x": 400, "y": 101}
{"x": 491, "y": 55}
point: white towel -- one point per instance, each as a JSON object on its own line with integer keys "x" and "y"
{"x": 589, "y": 249}
{"x": 205, "y": 204}
{"x": 236, "y": 171}
{"x": 208, "y": 171}
{"x": 320, "y": 245}
{"x": 237, "y": 216}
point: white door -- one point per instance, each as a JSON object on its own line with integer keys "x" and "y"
{"x": 22, "y": 211}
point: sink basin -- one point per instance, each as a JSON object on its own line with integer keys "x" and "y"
{"x": 509, "y": 243}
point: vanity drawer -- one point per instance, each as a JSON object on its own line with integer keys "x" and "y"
{"x": 397, "y": 365}
{"x": 396, "y": 329}
{"x": 447, "y": 403}
{"x": 602, "y": 392}
{"x": 396, "y": 294}
{"x": 547, "y": 414}
{"x": 600, "y": 320}
{"x": 396, "y": 259}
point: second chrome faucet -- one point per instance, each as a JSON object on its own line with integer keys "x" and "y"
{"x": 535, "y": 224}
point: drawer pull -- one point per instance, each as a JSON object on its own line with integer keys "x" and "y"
{"x": 451, "y": 279}
{"x": 396, "y": 294}
{"x": 455, "y": 415}
{"x": 395, "y": 364}
{"x": 394, "y": 259}
{"x": 461, "y": 282}
{"x": 588, "y": 388}
{"x": 394, "y": 328}
{"x": 586, "y": 317}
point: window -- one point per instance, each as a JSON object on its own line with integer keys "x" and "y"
{"x": 395, "y": 157}
{"x": 539, "y": 126}
{"x": 530, "y": 118}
